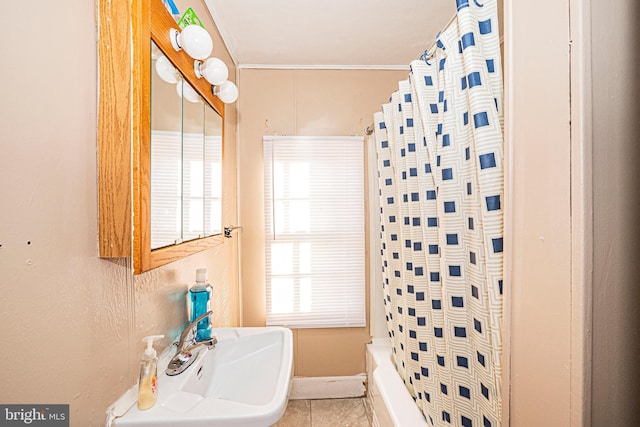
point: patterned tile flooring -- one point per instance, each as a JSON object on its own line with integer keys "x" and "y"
{"x": 326, "y": 413}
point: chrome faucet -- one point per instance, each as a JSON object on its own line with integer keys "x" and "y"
{"x": 188, "y": 347}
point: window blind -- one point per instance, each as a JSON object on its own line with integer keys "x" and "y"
{"x": 314, "y": 231}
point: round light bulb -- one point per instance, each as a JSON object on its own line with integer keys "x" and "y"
{"x": 166, "y": 70}
{"x": 185, "y": 91}
{"x": 196, "y": 41}
{"x": 213, "y": 70}
{"x": 227, "y": 92}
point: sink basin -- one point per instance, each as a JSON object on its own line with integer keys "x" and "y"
{"x": 244, "y": 381}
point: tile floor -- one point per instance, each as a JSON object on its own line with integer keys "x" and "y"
{"x": 326, "y": 413}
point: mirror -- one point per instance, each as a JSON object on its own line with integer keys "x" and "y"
{"x": 166, "y": 153}
{"x": 212, "y": 172}
{"x": 192, "y": 165}
{"x": 186, "y": 159}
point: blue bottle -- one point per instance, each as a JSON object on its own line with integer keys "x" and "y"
{"x": 200, "y": 299}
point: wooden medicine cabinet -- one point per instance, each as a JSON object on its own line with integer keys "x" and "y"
{"x": 160, "y": 133}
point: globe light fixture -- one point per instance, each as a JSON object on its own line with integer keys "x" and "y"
{"x": 213, "y": 70}
{"x": 194, "y": 39}
{"x": 227, "y": 92}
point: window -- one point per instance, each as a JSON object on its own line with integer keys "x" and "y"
{"x": 314, "y": 231}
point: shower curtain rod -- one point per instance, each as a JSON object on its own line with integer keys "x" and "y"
{"x": 453, "y": 18}
{"x": 433, "y": 45}
{"x": 369, "y": 129}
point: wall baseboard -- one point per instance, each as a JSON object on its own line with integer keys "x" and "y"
{"x": 328, "y": 387}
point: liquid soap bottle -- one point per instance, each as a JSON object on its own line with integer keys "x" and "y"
{"x": 200, "y": 303}
{"x": 148, "y": 385}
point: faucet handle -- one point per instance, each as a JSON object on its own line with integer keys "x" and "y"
{"x": 195, "y": 322}
{"x": 189, "y": 332}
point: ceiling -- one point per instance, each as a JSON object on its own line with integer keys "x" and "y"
{"x": 377, "y": 34}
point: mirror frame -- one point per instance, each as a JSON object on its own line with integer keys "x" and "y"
{"x": 126, "y": 30}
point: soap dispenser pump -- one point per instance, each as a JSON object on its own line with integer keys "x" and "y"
{"x": 200, "y": 303}
{"x": 148, "y": 385}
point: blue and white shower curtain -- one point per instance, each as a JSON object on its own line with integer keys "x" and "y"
{"x": 439, "y": 147}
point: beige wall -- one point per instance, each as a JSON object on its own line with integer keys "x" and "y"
{"x": 74, "y": 321}
{"x": 300, "y": 102}
{"x": 616, "y": 217}
{"x": 70, "y": 322}
{"x": 574, "y": 321}
{"x": 538, "y": 210}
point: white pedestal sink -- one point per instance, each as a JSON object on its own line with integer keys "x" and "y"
{"x": 243, "y": 382}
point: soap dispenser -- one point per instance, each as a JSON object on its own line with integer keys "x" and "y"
{"x": 147, "y": 387}
{"x": 200, "y": 303}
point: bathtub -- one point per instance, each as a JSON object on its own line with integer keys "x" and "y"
{"x": 388, "y": 398}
